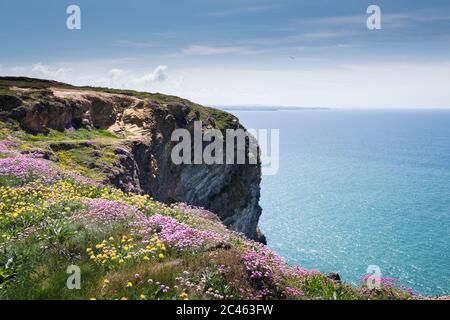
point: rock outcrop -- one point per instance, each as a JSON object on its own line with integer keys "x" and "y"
{"x": 146, "y": 122}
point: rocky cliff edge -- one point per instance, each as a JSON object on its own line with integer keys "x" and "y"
{"x": 138, "y": 152}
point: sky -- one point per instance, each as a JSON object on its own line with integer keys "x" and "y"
{"x": 239, "y": 52}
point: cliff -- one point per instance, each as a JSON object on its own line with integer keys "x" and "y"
{"x": 77, "y": 166}
{"x": 140, "y": 163}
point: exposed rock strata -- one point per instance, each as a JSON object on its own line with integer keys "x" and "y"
{"x": 144, "y": 164}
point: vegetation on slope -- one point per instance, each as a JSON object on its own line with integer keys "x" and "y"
{"x": 87, "y": 152}
{"x": 129, "y": 246}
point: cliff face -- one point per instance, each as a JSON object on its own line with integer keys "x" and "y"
{"x": 143, "y": 164}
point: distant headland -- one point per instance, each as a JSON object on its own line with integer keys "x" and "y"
{"x": 267, "y": 108}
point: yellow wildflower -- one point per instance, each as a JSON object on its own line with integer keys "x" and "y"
{"x": 184, "y": 296}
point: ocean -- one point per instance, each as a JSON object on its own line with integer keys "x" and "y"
{"x": 358, "y": 188}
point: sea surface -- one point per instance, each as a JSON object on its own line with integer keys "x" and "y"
{"x": 358, "y": 188}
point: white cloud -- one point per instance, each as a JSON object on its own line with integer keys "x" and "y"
{"x": 198, "y": 50}
{"x": 40, "y": 70}
{"x": 318, "y": 35}
{"x": 134, "y": 44}
{"x": 97, "y": 74}
{"x": 115, "y": 73}
{"x": 126, "y": 79}
{"x": 393, "y": 19}
{"x": 313, "y": 37}
{"x": 158, "y": 75}
{"x": 18, "y": 70}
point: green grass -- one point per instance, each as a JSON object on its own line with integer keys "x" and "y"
{"x": 82, "y": 134}
{"x": 87, "y": 161}
{"x": 38, "y": 273}
{"x": 75, "y": 135}
{"x": 10, "y": 181}
{"x": 319, "y": 287}
{"x": 223, "y": 119}
{"x": 5, "y": 91}
{"x": 24, "y": 82}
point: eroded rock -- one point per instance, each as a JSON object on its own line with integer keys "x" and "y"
{"x": 144, "y": 159}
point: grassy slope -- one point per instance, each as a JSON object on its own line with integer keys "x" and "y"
{"x": 45, "y": 226}
{"x": 126, "y": 246}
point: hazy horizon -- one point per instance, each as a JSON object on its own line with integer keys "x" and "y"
{"x": 320, "y": 108}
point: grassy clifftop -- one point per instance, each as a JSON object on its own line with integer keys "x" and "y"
{"x": 40, "y": 86}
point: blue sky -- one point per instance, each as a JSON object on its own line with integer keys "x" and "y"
{"x": 229, "y": 52}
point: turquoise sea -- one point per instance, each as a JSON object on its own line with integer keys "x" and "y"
{"x": 358, "y": 188}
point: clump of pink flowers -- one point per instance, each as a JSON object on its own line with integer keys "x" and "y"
{"x": 197, "y": 212}
{"x": 5, "y": 144}
{"x": 3, "y": 147}
{"x": 26, "y": 167}
{"x": 178, "y": 235}
{"x": 302, "y": 272}
{"x": 32, "y": 166}
{"x": 108, "y": 211}
{"x": 269, "y": 273}
{"x": 259, "y": 264}
{"x": 170, "y": 231}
